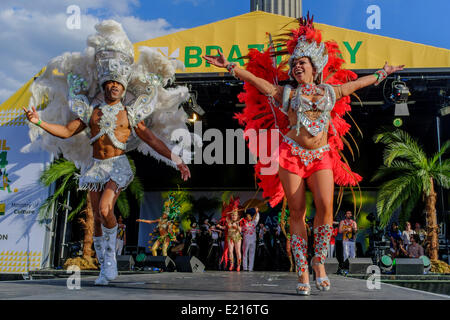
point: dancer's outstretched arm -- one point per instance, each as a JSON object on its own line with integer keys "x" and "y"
{"x": 262, "y": 85}
{"x": 348, "y": 88}
{"x": 147, "y": 221}
{"x": 72, "y": 128}
{"x": 153, "y": 141}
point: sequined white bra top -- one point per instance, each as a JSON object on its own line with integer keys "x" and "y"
{"x": 108, "y": 124}
{"x": 138, "y": 111}
{"x": 301, "y": 104}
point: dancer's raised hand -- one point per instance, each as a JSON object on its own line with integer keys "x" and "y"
{"x": 185, "y": 172}
{"x": 391, "y": 69}
{"x": 218, "y": 61}
{"x": 31, "y": 115}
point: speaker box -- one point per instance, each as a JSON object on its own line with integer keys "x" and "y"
{"x": 331, "y": 265}
{"x": 359, "y": 265}
{"x": 160, "y": 262}
{"x": 189, "y": 264}
{"x": 125, "y": 263}
{"x": 131, "y": 250}
{"x": 408, "y": 266}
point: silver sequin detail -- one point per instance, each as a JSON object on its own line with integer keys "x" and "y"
{"x": 324, "y": 104}
{"x": 100, "y": 172}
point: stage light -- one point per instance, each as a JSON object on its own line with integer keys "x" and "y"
{"x": 426, "y": 263}
{"x": 399, "y": 96}
{"x": 386, "y": 263}
{"x": 445, "y": 110}
{"x": 194, "y": 105}
{"x": 397, "y": 122}
{"x": 194, "y": 118}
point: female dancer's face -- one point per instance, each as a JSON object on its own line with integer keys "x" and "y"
{"x": 303, "y": 71}
{"x": 234, "y": 216}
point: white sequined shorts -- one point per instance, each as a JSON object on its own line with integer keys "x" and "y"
{"x": 99, "y": 172}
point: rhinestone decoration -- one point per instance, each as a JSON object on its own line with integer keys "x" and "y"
{"x": 322, "y": 236}
{"x": 324, "y": 104}
{"x": 312, "y": 50}
{"x": 299, "y": 249}
{"x": 306, "y": 155}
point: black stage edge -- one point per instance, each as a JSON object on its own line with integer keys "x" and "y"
{"x": 234, "y": 309}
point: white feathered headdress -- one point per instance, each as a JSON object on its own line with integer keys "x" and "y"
{"x": 71, "y": 84}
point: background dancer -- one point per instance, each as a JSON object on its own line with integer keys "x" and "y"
{"x": 249, "y": 239}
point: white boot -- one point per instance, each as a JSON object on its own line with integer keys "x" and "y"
{"x": 110, "y": 262}
{"x": 99, "y": 246}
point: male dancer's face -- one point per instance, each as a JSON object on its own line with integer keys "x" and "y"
{"x": 113, "y": 91}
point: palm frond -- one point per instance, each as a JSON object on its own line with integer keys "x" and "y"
{"x": 393, "y": 193}
{"x": 408, "y": 206}
{"x": 442, "y": 180}
{"x": 411, "y": 153}
{"x": 123, "y": 205}
{"x": 397, "y": 167}
{"x": 56, "y": 170}
{"x": 444, "y": 149}
{"x": 409, "y": 148}
{"x": 137, "y": 189}
{"x": 81, "y": 205}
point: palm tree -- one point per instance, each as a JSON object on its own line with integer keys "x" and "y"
{"x": 410, "y": 175}
{"x": 64, "y": 172}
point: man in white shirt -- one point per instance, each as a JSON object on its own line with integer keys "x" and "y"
{"x": 249, "y": 245}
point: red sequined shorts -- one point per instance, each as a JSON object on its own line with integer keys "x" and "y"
{"x": 301, "y": 161}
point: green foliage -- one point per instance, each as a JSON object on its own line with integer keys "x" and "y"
{"x": 407, "y": 174}
{"x": 64, "y": 174}
{"x": 63, "y": 171}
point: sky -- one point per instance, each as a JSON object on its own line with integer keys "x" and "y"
{"x": 34, "y": 31}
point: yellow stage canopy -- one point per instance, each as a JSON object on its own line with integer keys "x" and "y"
{"x": 235, "y": 36}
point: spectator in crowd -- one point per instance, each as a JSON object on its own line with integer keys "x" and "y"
{"x": 333, "y": 239}
{"x": 215, "y": 250}
{"x": 204, "y": 240}
{"x": 394, "y": 235}
{"x": 193, "y": 249}
{"x": 406, "y": 234}
{"x": 420, "y": 232}
{"x": 348, "y": 228}
{"x": 400, "y": 251}
{"x": 415, "y": 250}
{"x": 338, "y": 246}
{"x": 263, "y": 256}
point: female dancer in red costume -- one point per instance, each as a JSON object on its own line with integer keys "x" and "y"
{"x": 308, "y": 118}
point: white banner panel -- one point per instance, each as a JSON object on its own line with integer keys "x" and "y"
{"x": 22, "y": 235}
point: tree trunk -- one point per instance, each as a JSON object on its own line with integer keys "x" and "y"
{"x": 88, "y": 225}
{"x": 432, "y": 227}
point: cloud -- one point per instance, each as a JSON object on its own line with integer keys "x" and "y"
{"x": 195, "y": 3}
{"x": 35, "y": 32}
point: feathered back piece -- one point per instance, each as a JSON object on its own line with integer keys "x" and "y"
{"x": 109, "y": 56}
{"x": 259, "y": 112}
{"x": 228, "y": 208}
{"x": 177, "y": 204}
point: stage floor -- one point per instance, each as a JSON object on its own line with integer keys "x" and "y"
{"x": 208, "y": 285}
